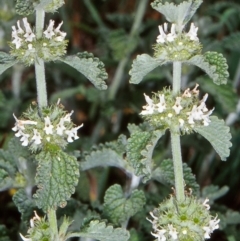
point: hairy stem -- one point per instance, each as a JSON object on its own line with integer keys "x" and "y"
{"x": 177, "y": 163}
{"x": 134, "y": 31}
{"x": 39, "y": 63}
{"x": 53, "y": 225}
{"x": 177, "y": 67}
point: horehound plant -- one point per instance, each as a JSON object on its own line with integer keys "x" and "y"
{"x": 46, "y": 130}
{"x": 182, "y": 217}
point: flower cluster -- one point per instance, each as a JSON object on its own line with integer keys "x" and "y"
{"x": 185, "y": 220}
{"x": 39, "y": 229}
{"x": 177, "y": 46}
{"x": 27, "y": 48}
{"x": 184, "y": 111}
{"x": 54, "y": 126}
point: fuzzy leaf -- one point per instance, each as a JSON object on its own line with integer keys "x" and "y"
{"x": 214, "y": 192}
{"x": 57, "y": 175}
{"x": 214, "y": 64}
{"x": 136, "y": 143}
{"x": 141, "y": 66}
{"x": 179, "y": 14}
{"x": 117, "y": 208}
{"x": 25, "y": 7}
{"x": 232, "y": 217}
{"x": 6, "y": 61}
{"x": 103, "y": 158}
{"x": 217, "y": 133}
{"x": 232, "y": 42}
{"x": 120, "y": 44}
{"x": 5, "y": 181}
{"x": 165, "y": 174}
{"x": 100, "y": 231}
{"x": 24, "y": 204}
{"x": 90, "y": 66}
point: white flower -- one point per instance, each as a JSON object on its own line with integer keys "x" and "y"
{"x": 48, "y": 126}
{"x": 61, "y": 35}
{"x": 187, "y": 93}
{"x": 60, "y": 127}
{"x": 162, "y": 104}
{"x": 36, "y": 137}
{"x": 17, "y": 41}
{"x": 72, "y": 134}
{"x": 206, "y": 119}
{"x": 24, "y": 139}
{"x": 32, "y": 220}
{"x": 177, "y": 107}
{"x": 67, "y": 116}
{"x": 163, "y": 37}
{"x": 19, "y": 125}
{"x": 29, "y": 35}
{"x": 172, "y": 232}
{"x": 20, "y": 30}
{"x": 25, "y": 239}
{"x": 205, "y": 204}
{"x": 213, "y": 224}
{"x": 192, "y": 34}
{"x": 149, "y": 108}
{"x": 181, "y": 122}
{"x": 49, "y": 31}
{"x": 160, "y": 235}
{"x": 195, "y": 91}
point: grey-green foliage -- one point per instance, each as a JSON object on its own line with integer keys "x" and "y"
{"x": 25, "y": 204}
{"x": 140, "y": 149}
{"x": 90, "y": 66}
{"x": 118, "y": 208}
{"x": 165, "y": 174}
{"x": 214, "y": 64}
{"x": 56, "y": 178}
{"x": 218, "y": 134}
{"x": 108, "y": 154}
{"x": 232, "y": 42}
{"x": 25, "y": 7}
{"x": 120, "y": 44}
{"x": 213, "y": 192}
{"x": 6, "y": 61}
{"x": 100, "y": 231}
{"x": 179, "y": 14}
{"x": 6, "y": 181}
{"x": 141, "y": 66}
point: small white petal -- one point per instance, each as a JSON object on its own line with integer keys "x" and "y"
{"x": 25, "y": 239}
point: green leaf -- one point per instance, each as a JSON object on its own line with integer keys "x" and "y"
{"x": 120, "y": 44}
{"x": 90, "y": 66}
{"x": 24, "y": 204}
{"x": 232, "y": 42}
{"x": 5, "y": 180}
{"x": 226, "y": 97}
{"x": 141, "y": 66}
{"x": 25, "y": 7}
{"x": 217, "y": 133}
{"x": 117, "y": 208}
{"x": 140, "y": 149}
{"x": 165, "y": 174}
{"x": 232, "y": 217}
{"x": 6, "y": 61}
{"x": 214, "y": 192}
{"x": 214, "y": 64}
{"x": 179, "y": 14}
{"x": 57, "y": 175}
{"x": 100, "y": 231}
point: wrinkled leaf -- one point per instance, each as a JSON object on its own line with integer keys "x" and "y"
{"x": 6, "y": 61}
{"x": 100, "y": 231}
{"x": 179, "y": 14}
{"x": 24, "y": 204}
{"x": 117, "y": 208}
{"x": 218, "y": 134}
{"x": 56, "y": 178}
{"x": 25, "y": 7}
{"x": 165, "y": 174}
{"x": 5, "y": 180}
{"x": 90, "y": 66}
{"x": 214, "y": 64}
{"x": 214, "y": 192}
{"x": 141, "y": 66}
